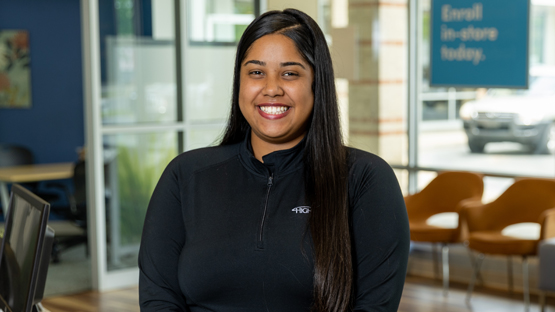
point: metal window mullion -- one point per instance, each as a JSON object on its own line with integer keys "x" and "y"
{"x": 93, "y": 126}
{"x": 436, "y": 96}
{"x": 179, "y": 73}
{"x": 262, "y": 5}
{"x": 148, "y": 128}
{"x": 142, "y": 128}
{"x": 452, "y": 104}
{"x": 413, "y": 92}
{"x": 184, "y": 45}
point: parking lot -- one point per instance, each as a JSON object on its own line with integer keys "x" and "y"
{"x": 448, "y": 149}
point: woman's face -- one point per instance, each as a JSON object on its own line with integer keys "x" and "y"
{"x": 275, "y": 94}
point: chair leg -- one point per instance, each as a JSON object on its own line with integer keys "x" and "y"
{"x": 473, "y": 263}
{"x": 525, "y": 283}
{"x": 510, "y": 274}
{"x": 445, "y": 264}
{"x": 55, "y": 254}
{"x": 477, "y": 264}
{"x": 435, "y": 260}
{"x": 542, "y": 301}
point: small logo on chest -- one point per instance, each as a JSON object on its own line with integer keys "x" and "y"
{"x": 301, "y": 209}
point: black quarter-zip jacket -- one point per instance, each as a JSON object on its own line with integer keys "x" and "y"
{"x": 225, "y": 232}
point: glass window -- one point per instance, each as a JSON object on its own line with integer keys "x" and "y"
{"x": 500, "y": 131}
{"x": 219, "y": 21}
{"x": 140, "y": 81}
{"x": 139, "y": 94}
{"x": 435, "y": 110}
{"x": 133, "y": 165}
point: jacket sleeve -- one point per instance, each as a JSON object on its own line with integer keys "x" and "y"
{"x": 161, "y": 244}
{"x": 381, "y": 236}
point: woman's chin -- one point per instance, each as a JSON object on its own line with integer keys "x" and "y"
{"x": 278, "y": 138}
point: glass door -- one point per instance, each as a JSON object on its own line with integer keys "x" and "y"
{"x": 134, "y": 124}
{"x": 143, "y": 108}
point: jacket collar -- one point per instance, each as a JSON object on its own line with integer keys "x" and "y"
{"x": 277, "y": 163}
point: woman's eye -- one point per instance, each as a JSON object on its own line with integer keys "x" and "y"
{"x": 290, "y": 74}
{"x": 256, "y": 72}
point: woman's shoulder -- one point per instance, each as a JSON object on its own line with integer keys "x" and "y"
{"x": 367, "y": 169}
{"x": 200, "y": 158}
{"x": 360, "y": 160}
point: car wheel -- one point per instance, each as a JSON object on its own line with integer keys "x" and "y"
{"x": 546, "y": 145}
{"x": 476, "y": 147}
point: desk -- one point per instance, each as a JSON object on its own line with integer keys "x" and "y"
{"x": 31, "y": 173}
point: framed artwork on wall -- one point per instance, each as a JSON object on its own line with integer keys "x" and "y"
{"x": 15, "y": 71}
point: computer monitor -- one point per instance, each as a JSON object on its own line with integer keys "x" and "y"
{"x": 24, "y": 252}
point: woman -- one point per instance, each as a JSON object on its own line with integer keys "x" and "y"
{"x": 281, "y": 216}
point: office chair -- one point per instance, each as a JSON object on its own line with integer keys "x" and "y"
{"x": 18, "y": 155}
{"x": 442, "y": 195}
{"x": 546, "y": 272}
{"x": 15, "y": 155}
{"x": 526, "y": 200}
{"x": 72, "y": 231}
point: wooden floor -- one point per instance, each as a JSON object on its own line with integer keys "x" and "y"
{"x": 426, "y": 295}
{"x": 126, "y": 300}
{"x": 419, "y": 295}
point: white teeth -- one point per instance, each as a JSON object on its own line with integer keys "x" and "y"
{"x": 274, "y": 110}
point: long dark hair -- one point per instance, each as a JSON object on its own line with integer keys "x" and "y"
{"x": 325, "y": 155}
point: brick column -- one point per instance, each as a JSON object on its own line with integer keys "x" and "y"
{"x": 378, "y": 96}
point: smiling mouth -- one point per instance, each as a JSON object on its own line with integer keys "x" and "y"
{"x": 274, "y": 110}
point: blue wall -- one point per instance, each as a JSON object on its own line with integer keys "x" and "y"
{"x": 54, "y": 127}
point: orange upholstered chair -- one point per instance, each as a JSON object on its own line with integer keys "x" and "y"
{"x": 444, "y": 194}
{"x": 526, "y": 201}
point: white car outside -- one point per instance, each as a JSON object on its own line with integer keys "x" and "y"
{"x": 513, "y": 115}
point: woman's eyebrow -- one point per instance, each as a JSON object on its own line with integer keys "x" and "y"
{"x": 292, "y": 64}
{"x": 256, "y": 62}
{"x": 284, "y": 64}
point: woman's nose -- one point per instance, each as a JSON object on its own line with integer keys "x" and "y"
{"x": 273, "y": 87}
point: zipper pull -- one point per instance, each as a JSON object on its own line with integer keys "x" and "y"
{"x": 270, "y": 180}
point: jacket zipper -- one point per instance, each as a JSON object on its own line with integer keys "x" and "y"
{"x": 260, "y": 244}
